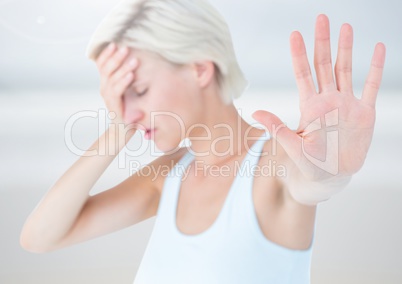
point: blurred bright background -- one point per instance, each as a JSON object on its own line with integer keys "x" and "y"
{"x": 45, "y": 79}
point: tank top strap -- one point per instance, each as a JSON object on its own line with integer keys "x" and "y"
{"x": 169, "y": 197}
{"x": 240, "y": 205}
{"x": 246, "y": 170}
{"x": 170, "y": 190}
{"x": 255, "y": 151}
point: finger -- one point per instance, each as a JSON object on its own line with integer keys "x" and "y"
{"x": 110, "y": 66}
{"x": 374, "y": 77}
{"x": 289, "y": 140}
{"x": 301, "y": 67}
{"x": 343, "y": 66}
{"x": 114, "y": 62}
{"x": 130, "y": 65}
{"x": 115, "y": 100}
{"x": 121, "y": 86}
{"x": 105, "y": 55}
{"x": 322, "y": 55}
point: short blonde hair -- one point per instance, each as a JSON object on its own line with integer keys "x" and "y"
{"x": 181, "y": 31}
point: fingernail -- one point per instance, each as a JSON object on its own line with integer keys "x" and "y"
{"x": 122, "y": 50}
{"x": 111, "y": 46}
{"x": 133, "y": 62}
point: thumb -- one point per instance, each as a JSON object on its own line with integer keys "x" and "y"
{"x": 289, "y": 140}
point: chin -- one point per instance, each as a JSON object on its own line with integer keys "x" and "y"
{"x": 167, "y": 147}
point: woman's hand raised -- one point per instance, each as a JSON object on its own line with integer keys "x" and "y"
{"x": 336, "y": 128}
{"x": 117, "y": 73}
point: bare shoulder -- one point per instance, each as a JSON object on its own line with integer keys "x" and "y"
{"x": 268, "y": 181}
{"x": 276, "y": 167}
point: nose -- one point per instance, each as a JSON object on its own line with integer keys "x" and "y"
{"x": 132, "y": 113}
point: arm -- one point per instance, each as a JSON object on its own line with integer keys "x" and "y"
{"x": 336, "y": 128}
{"x": 60, "y": 208}
{"x": 67, "y": 214}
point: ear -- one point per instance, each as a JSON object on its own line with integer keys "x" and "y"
{"x": 205, "y": 72}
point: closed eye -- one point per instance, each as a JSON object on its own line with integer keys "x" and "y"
{"x": 132, "y": 93}
{"x": 142, "y": 93}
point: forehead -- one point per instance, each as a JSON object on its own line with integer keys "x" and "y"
{"x": 152, "y": 66}
{"x": 147, "y": 60}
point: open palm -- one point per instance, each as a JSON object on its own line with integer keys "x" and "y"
{"x": 336, "y": 128}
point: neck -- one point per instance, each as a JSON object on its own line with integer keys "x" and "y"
{"x": 223, "y": 135}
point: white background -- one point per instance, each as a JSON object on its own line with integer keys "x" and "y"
{"x": 45, "y": 79}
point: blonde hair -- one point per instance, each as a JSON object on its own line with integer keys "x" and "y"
{"x": 181, "y": 31}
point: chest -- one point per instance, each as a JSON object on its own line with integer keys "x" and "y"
{"x": 201, "y": 200}
{"x": 202, "y": 197}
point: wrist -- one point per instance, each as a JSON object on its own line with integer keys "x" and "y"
{"x": 118, "y": 135}
{"x": 337, "y": 181}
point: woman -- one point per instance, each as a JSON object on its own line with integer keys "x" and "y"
{"x": 168, "y": 68}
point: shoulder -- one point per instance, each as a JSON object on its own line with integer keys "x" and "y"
{"x": 267, "y": 179}
{"x": 282, "y": 219}
{"x": 276, "y": 167}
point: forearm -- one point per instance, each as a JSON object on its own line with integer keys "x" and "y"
{"x": 58, "y": 210}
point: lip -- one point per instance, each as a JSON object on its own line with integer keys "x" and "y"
{"x": 141, "y": 127}
{"x": 149, "y": 133}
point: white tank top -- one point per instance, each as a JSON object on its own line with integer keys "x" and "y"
{"x": 231, "y": 251}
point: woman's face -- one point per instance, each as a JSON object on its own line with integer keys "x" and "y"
{"x": 163, "y": 99}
